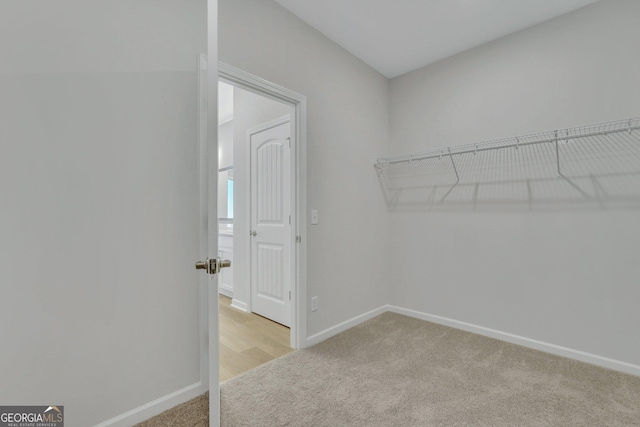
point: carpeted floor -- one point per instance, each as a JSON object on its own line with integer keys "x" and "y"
{"x": 394, "y": 370}
{"x": 194, "y": 413}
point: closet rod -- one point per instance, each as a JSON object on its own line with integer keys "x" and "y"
{"x": 558, "y": 135}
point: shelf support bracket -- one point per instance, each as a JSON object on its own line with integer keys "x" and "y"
{"x": 453, "y": 163}
{"x": 561, "y": 175}
{"x": 598, "y": 190}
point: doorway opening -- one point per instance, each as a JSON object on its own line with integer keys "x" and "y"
{"x": 261, "y": 173}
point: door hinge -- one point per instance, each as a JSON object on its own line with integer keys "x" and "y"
{"x": 289, "y": 139}
{"x": 289, "y": 295}
{"x": 298, "y": 239}
{"x": 289, "y": 219}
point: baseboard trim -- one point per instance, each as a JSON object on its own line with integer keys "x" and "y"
{"x": 155, "y": 407}
{"x": 343, "y": 326}
{"x": 570, "y": 353}
{"x": 225, "y": 290}
{"x": 242, "y": 306}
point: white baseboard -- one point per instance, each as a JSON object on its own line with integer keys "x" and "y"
{"x": 341, "y": 327}
{"x": 225, "y": 290}
{"x": 155, "y": 407}
{"x": 582, "y": 356}
{"x": 242, "y": 306}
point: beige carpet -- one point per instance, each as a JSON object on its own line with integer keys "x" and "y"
{"x": 194, "y": 413}
{"x": 399, "y": 371}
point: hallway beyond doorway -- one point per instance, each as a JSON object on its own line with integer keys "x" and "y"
{"x": 248, "y": 340}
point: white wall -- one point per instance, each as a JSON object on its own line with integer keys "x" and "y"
{"x": 225, "y": 144}
{"x": 566, "y": 278}
{"x": 347, "y": 127}
{"x": 249, "y": 110}
{"x": 225, "y": 157}
{"x": 98, "y": 187}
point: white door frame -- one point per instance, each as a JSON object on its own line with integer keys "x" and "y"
{"x": 246, "y": 81}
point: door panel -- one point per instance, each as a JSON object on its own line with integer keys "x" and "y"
{"x": 269, "y": 173}
{"x": 100, "y": 196}
{"x": 270, "y": 260}
{"x": 208, "y": 168}
{"x": 271, "y": 231}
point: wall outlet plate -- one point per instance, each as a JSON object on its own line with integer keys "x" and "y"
{"x": 314, "y": 303}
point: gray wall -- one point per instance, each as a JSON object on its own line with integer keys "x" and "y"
{"x": 249, "y": 110}
{"x": 347, "y": 127}
{"x": 225, "y": 159}
{"x": 225, "y": 144}
{"x": 99, "y": 223}
{"x": 566, "y": 278}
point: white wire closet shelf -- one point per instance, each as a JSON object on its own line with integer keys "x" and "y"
{"x": 589, "y": 165}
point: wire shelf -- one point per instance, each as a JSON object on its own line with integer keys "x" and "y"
{"x": 589, "y": 164}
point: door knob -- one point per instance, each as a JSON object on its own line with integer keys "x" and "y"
{"x": 253, "y": 232}
{"x": 210, "y": 266}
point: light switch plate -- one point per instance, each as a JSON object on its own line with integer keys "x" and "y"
{"x": 314, "y": 217}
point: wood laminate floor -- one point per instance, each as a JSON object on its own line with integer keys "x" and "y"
{"x": 248, "y": 340}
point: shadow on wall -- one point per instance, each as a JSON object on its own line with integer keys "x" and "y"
{"x": 593, "y": 167}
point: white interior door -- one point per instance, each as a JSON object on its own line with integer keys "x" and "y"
{"x": 99, "y": 195}
{"x": 208, "y": 173}
{"x": 271, "y": 221}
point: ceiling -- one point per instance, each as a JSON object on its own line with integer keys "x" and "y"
{"x": 398, "y": 36}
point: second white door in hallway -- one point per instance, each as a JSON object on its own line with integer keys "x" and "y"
{"x": 271, "y": 221}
